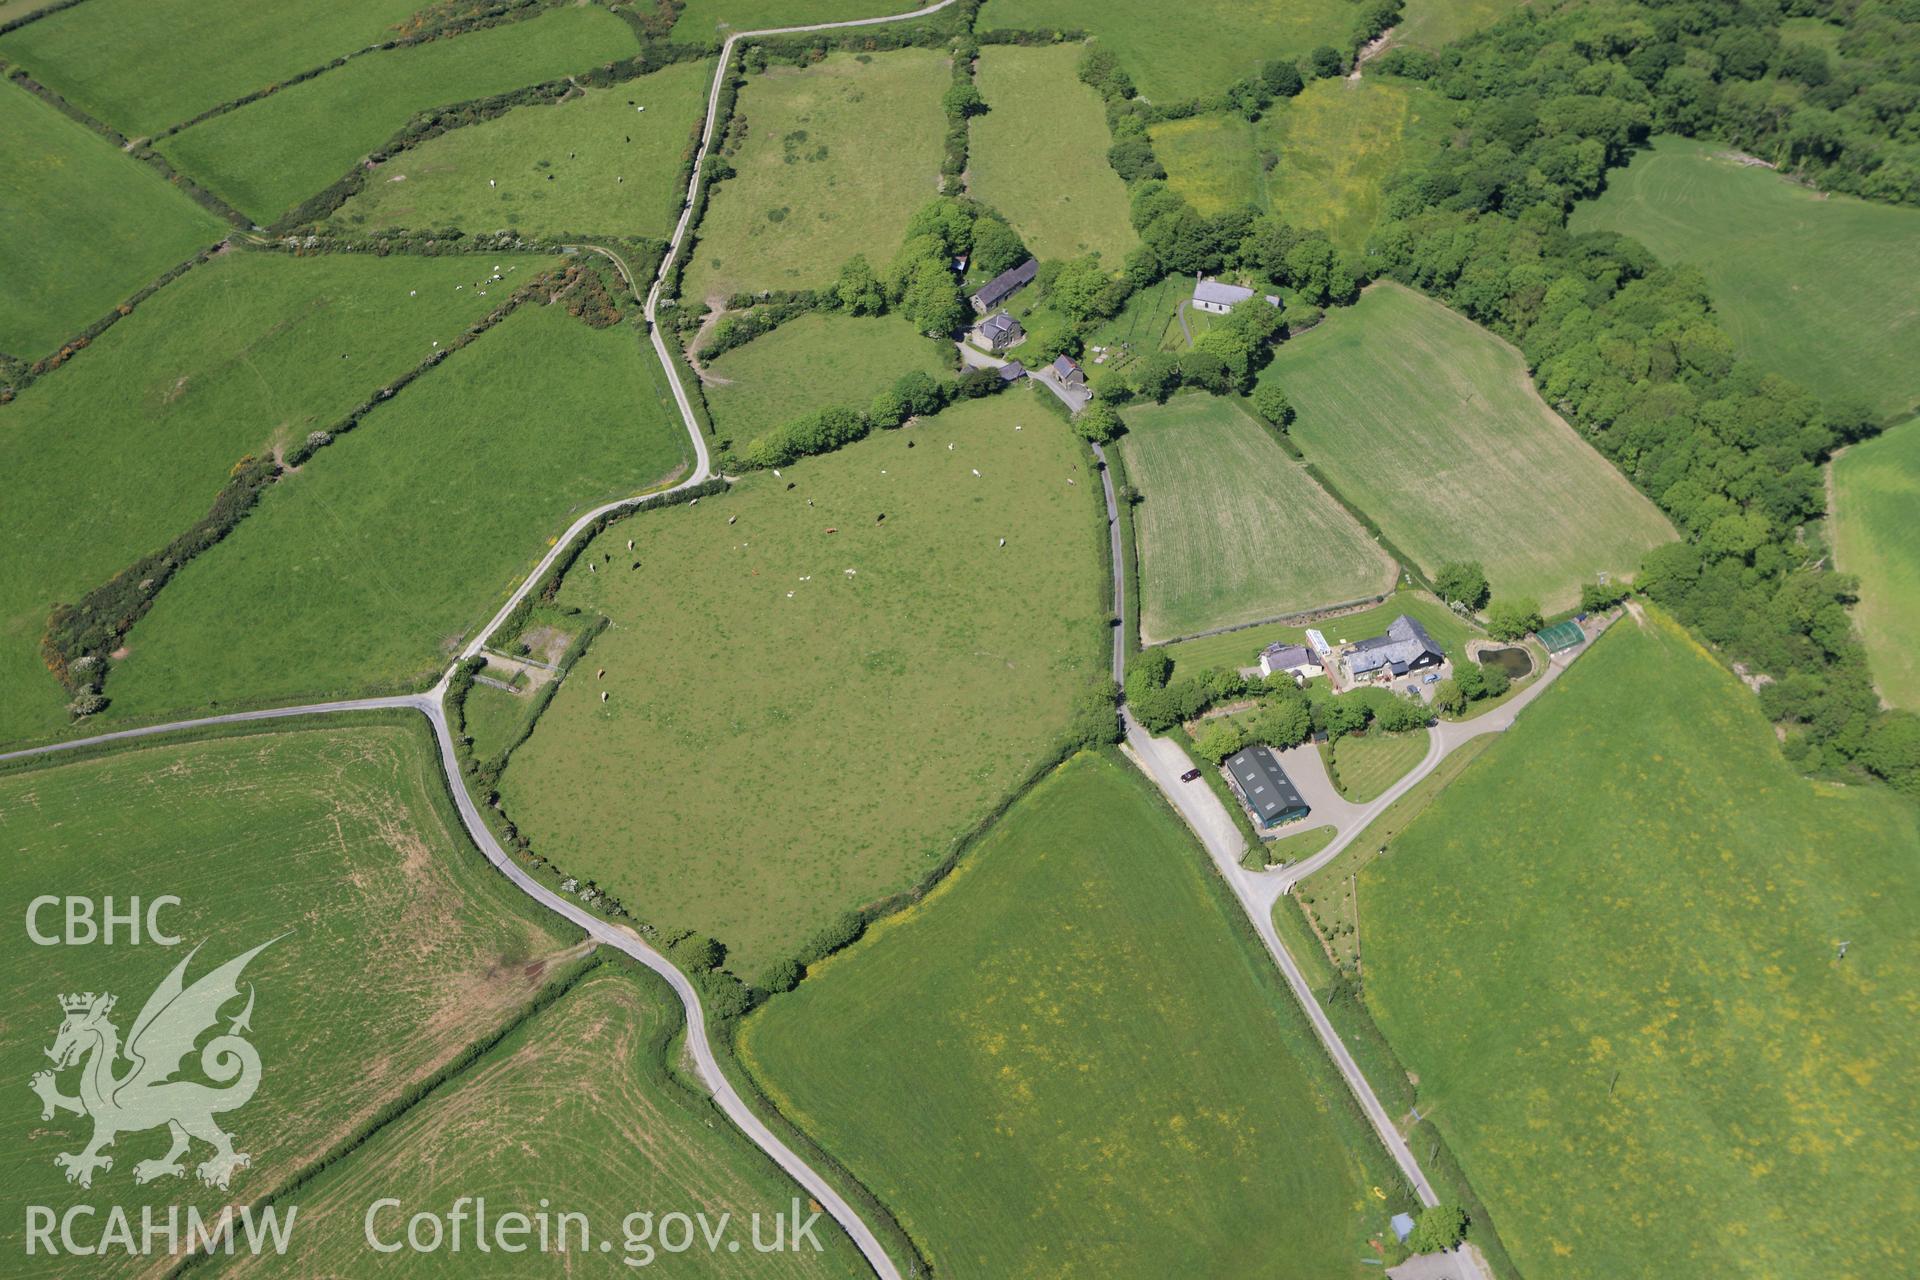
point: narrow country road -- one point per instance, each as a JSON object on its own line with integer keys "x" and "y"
{"x": 432, "y": 704}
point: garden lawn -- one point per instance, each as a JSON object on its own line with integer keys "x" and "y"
{"x": 711, "y": 20}
{"x": 1039, "y": 154}
{"x": 394, "y": 945}
{"x": 576, "y": 1107}
{"x": 1431, "y": 426}
{"x": 1876, "y": 528}
{"x": 1235, "y": 649}
{"x": 779, "y": 376}
{"x": 1320, "y": 159}
{"x": 100, "y": 55}
{"x": 247, "y": 353}
{"x": 1365, "y": 765}
{"x": 372, "y": 565}
{"x": 588, "y": 167}
{"x": 81, "y": 226}
{"x": 1608, "y": 954}
{"x": 838, "y": 156}
{"x": 1094, "y": 1039}
{"x": 817, "y": 716}
{"x": 270, "y": 155}
{"x": 1231, "y": 529}
{"x": 1824, "y": 289}
{"x": 1187, "y": 50}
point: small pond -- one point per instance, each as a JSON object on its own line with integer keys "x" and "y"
{"x": 1516, "y": 662}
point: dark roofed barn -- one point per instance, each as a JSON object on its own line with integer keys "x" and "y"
{"x": 1004, "y": 286}
{"x": 1265, "y": 786}
{"x": 1068, "y": 372}
{"x": 1012, "y": 371}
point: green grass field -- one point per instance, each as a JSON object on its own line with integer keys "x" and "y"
{"x": 1824, "y": 289}
{"x": 397, "y": 945}
{"x": 817, "y": 716}
{"x": 1232, "y": 529}
{"x": 591, "y": 166}
{"x": 577, "y": 1108}
{"x": 1187, "y": 50}
{"x": 378, "y": 559}
{"x": 1331, "y": 149}
{"x": 1430, "y": 425}
{"x": 245, "y": 354}
{"x": 1071, "y": 1062}
{"x": 245, "y": 156}
{"x": 1608, "y": 953}
{"x": 1039, "y": 154}
{"x": 777, "y": 377}
{"x": 81, "y": 226}
{"x": 1876, "y": 495}
{"x": 1242, "y": 648}
{"x": 838, "y": 156}
{"x": 1369, "y": 763}
{"x": 1433, "y": 24}
{"x": 711, "y": 19}
{"x": 100, "y": 55}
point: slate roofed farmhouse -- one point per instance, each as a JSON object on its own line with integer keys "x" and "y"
{"x": 1004, "y": 286}
{"x": 1212, "y": 295}
{"x": 1405, "y": 647}
{"x": 1265, "y": 786}
{"x": 1001, "y": 330}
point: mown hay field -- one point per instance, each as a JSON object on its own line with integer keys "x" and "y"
{"x": 807, "y": 706}
{"x": 595, "y": 165}
{"x": 397, "y": 947}
{"x": 838, "y": 156}
{"x": 372, "y": 564}
{"x": 1876, "y": 534}
{"x": 1431, "y": 426}
{"x": 100, "y": 55}
{"x": 1186, "y": 50}
{"x": 1822, "y": 288}
{"x": 1039, "y": 155}
{"x": 268, "y": 156}
{"x": 1609, "y": 954}
{"x": 1231, "y": 529}
{"x": 81, "y": 226}
{"x": 782, "y": 375}
{"x": 1320, "y": 159}
{"x": 575, "y": 1110}
{"x": 243, "y": 355}
{"x": 1072, "y": 1025}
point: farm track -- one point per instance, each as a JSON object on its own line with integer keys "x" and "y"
{"x": 432, "y": 704}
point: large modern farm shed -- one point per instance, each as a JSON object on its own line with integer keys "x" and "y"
{"x": 1265, "y": 786}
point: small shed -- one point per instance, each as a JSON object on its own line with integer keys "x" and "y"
{"x": 1402, "y": 1224}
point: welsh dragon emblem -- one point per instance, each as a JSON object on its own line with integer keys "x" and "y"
{"x": 146, "y": 1095}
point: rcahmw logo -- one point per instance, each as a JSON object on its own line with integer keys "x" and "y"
{"x": 146, "y": 1095}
